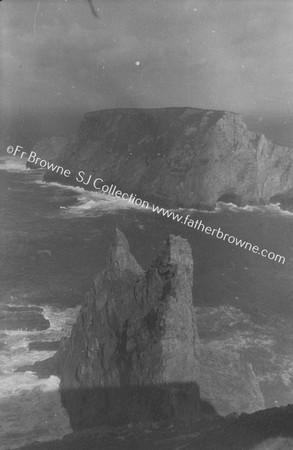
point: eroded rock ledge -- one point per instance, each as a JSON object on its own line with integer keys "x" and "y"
{"x": 183, "y": 157}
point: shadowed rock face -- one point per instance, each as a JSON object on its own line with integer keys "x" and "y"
{"x": 48, "y": 149}
{"x": 179, "y": 157}
{"x": 134, "y": 352}
{"x": 134, "y": 347}
{"x": 227, "y": 381}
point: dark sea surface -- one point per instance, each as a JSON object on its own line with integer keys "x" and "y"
{"x": 54, "y": 240}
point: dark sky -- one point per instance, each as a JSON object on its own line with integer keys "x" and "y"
{"x": 59, "y": 60}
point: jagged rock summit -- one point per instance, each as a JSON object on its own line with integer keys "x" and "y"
{"x": 133, "y": 352}
{"x": 178, "y": 156}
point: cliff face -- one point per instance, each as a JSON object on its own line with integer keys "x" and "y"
{"x": 133, "y": 351}
{"x": 179, "y": 156}
{"x": 49, "y": 149}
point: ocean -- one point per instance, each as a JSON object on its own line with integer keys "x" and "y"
{"x": 54, "y": 240}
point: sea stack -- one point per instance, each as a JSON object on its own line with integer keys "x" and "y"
{"x": 133, "y": 353}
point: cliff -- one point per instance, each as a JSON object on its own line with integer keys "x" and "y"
{"x": 179, "y": 157}
{"x": 133, "y": 352}
{"x": 49, "y": 149}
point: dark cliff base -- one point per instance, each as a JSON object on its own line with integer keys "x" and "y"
{"x": 264, "y": 430}
{"x": 116, "y": 406}
{"x": 22, "y": 318}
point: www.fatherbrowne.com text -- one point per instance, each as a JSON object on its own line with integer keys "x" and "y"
{"x": 185, "y": 220}
{"x": 97, "y": 184}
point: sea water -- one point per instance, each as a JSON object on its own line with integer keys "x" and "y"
{"x": 54, "y": 240}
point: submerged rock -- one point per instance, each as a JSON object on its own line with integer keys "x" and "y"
{"x": 23, "y": 308}
{"x": 133, "y": 353}
{"x": 22, "y": 318}
{"x": 178, "y": 156}
{"x": 43, "y": 369}
{"x": 44, "y": 345}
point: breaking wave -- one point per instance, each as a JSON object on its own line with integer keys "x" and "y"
{"x": 30, "y": 408}
{"x": 91, "y": 203}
